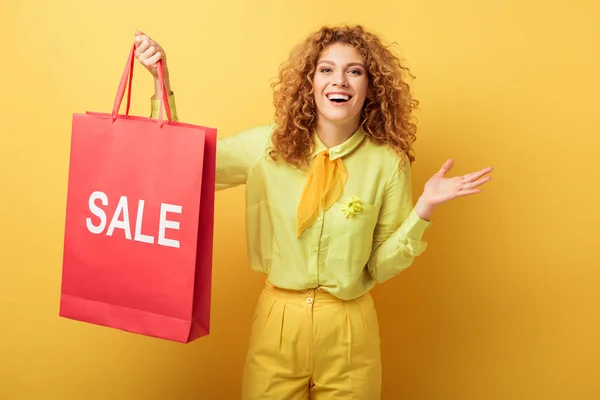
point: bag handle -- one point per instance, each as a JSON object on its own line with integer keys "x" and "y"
{"x": 126, "y": 81}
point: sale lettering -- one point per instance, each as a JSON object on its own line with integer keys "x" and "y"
{"x": 120, "y": 220}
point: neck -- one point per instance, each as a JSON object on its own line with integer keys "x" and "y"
{"x": 333, "y": 134}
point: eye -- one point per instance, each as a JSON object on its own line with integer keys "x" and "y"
{"x": 325, "y": 69}
{"x": 355, "y": 72}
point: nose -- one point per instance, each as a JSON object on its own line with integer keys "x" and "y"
{"x": 340, "y": 79}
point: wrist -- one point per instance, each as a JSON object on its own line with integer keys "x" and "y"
{"x": 157, "y": 87}
{"x": 166, "y": 75}
{"x": 424, "y": 209}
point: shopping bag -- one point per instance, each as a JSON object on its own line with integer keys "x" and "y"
{"x": 138, "y": 234}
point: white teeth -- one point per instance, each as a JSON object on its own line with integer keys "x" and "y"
{"x": 338, "y": 97}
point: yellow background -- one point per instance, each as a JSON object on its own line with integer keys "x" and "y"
{"x": 504, "y": 303}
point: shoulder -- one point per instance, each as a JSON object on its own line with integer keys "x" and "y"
{"x": 253, "y": 139}
{"x": 391, "y": 163}
{"x": 257, "y": 133}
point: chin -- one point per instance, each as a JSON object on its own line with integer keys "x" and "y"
{"x": 340, "y": 118}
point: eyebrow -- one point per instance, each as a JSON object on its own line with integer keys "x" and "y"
{"x": 353, "y": 64}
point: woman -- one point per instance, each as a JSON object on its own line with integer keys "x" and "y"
{"x": 329, "y": 211}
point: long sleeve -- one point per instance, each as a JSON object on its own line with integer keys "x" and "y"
{"x": 398, "y": 237}
{"x": 237, "y": 154}
{"x": 155, "y": 106}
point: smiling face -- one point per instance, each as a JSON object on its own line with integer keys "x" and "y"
{"x": 341, "y": 85}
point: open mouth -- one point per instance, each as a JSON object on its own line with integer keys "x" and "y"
{"x": 338, "y": 98}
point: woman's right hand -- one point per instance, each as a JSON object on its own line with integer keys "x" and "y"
{"x": 148, "y": 52}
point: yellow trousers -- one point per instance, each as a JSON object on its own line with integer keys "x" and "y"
{"x": 312, "y": 345}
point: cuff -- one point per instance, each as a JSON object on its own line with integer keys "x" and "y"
{"x": 413, "y": 227}
{"x": 155, "y": 106}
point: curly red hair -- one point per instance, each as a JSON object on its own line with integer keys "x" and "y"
{"x": 386, "y": 114}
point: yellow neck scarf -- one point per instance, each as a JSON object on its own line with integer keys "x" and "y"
{"x": 324, "y": 186}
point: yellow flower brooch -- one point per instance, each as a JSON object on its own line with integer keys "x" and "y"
{"x": 352, "y": 206}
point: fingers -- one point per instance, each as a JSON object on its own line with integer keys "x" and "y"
{"x": 142, "y": 47}
{"x": 468, "y": 192}
{"x": 140, "y": 37}
{"x": 477, "y": 183}
{"x": 446, "y": 167}
{"x": 151, "y": 61}
{"x": 142, "y": 42}
{"x": 148, "y": 51}
{"x": 145, "y": 45}
{"x": 145, "y": 52}
{"x": 477, "y": 174}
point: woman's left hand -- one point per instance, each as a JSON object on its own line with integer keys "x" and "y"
{"x": 439, "y": 189}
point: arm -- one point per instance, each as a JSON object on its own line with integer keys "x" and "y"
{"x": 155, "y": 104}
{"x": 236, "y": 154}
{"x": 398, "y": 237}
{"x": 148, "y": 52}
